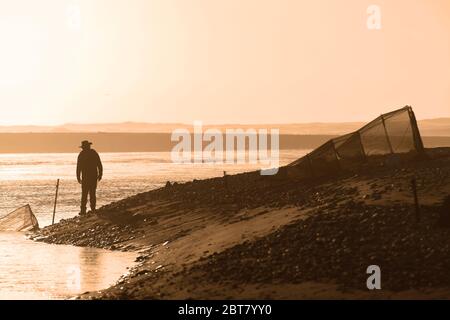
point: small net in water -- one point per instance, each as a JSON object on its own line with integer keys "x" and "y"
{"x": 19, "y": 220}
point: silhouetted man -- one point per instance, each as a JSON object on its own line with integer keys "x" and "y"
{"x": 89, "y": 171}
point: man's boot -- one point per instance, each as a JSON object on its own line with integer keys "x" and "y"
{"x": 83, "y": 211}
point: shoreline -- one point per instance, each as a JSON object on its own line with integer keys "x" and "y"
{"x": 247, "y": 238}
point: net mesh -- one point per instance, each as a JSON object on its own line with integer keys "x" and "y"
{"x": 301, "y": 169}
{"x": 400, "y": 132}
{"x": 349, "y": 147}
{"x": 374, "y": 139}
{"x": 324, "y": 159}
{"x": 394, "y": 132}
{"x": 21, "y": 219}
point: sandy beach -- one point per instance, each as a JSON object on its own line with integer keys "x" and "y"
{"x": 252, "y": 237}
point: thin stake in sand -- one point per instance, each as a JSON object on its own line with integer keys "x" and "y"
{"x": 56, "y": 199}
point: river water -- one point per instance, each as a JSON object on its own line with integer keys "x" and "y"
{"x": 31, "y": 178}
{"x": 33, "y": 270}
{"x": 30, "y": 270}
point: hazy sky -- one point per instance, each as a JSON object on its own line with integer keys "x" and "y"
{"x": 221, "y": 60}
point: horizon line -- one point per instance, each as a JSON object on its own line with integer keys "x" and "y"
{"x": 190, "y": 124}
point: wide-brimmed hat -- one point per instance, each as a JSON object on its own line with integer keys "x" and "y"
{"x": 85, "y": 144}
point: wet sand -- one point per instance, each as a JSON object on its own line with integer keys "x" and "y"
{"x": 275, "y": 237}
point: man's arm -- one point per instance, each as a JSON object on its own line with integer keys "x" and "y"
{"x": 79, "y": 168}
{"x": 99, "y": 168}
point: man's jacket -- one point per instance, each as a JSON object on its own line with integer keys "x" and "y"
{"x": 89, "y": 166}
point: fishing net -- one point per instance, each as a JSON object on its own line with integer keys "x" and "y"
{"x": 21, "y": 219}
{"x": 391, "y": 133}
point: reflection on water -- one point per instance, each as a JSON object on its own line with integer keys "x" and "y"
{"x": 31, "y": 270}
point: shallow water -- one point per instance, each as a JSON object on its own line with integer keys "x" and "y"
{"x": 32, "y": 270}
{"x": 31, "y": 178}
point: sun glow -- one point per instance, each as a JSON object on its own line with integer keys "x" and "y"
{"x": 20, "y": 51}
{"x": 97, "y": 61}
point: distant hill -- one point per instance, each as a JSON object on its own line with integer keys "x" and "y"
{"x": 142, "y": 142}
{"x": 431, "y": 127}
{"x": 120, "y": 142}
{"x": 435, "y": 127}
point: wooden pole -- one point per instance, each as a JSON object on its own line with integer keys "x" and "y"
{"x": 56, "y": 199}
{"x": 363, "y": 152}
{"x": 336, "y": 155}
{"x": 225, "y": 180}
{"x": 416, "y": 198}
{"x": 387, "y": 135}
{"x": 418, "y": 143}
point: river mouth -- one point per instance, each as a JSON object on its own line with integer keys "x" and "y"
{"x": 33, "y": 270}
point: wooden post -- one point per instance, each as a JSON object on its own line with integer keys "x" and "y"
{"x": 416, "y": 198}
{"x": 387, "y": 135}
{"x": 225, "y": 180}
{"x": 418, "y": 143}
{"x": 363, "y": 152}
{"x": 56, "y": 199}
{"x": 336, "y": 156}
